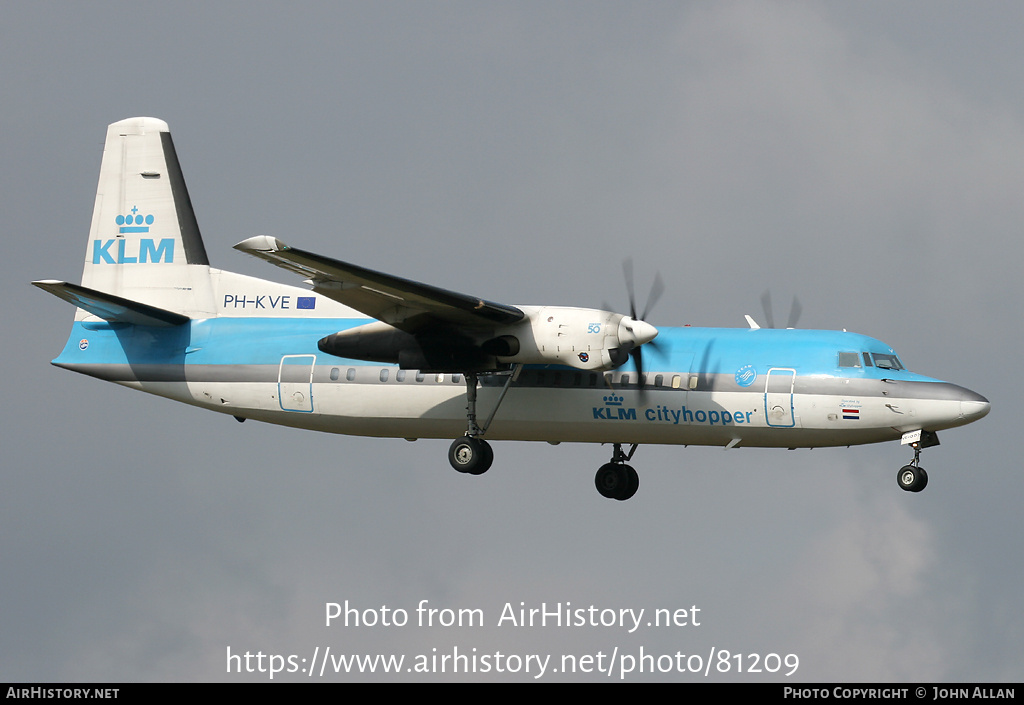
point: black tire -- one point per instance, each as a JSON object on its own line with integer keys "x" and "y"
{"x": 470, "y": 455}
{"x": 486, "y": 458}
{"x": 923, "y": 480}
{"x": 609, "y": 480}
{"x": 912, "y": 478}
{"x": 616, "y": 481}
{"x": 632, "y": 483}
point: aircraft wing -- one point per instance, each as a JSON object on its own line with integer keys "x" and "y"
{"x": 402, "y": 303}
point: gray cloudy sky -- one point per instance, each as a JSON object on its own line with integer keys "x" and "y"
{"x": 867, "y": 157}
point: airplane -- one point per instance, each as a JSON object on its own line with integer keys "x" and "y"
{"x": 361, "y": 352}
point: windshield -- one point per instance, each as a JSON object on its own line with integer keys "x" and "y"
{"x": 887, "y": 361}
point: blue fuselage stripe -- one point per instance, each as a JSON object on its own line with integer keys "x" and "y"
{"x": 747, "y": 354}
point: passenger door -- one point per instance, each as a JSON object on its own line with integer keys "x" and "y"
{"x": 295, "y": 382}
{"x": 778, "y": 397}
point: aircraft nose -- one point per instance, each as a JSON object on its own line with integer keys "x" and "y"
{"x": 638, "y": 332}
{"x": 973, "y": 406}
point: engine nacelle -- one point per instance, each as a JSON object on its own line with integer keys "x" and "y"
{"x": 436, "y": 351}
{"x": 584, "y": 338}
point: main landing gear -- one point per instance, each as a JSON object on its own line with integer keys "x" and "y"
{"x": 912, "y": 476}
{"x": 471, "y": 453}
{"x": 616, "y": 480}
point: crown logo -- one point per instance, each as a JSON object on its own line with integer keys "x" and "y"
{"x": 613, "y": 400}
{"x": 133, "y": 222}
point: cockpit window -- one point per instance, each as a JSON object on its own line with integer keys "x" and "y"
{"x": 849, "y": 359}
{"x": 887, "y": 361}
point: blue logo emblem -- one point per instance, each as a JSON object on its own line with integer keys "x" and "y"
{"x": 305, "y": 302}
{"x": 584, "y": 357}
{"x": 134, "y": 223}
{"x": 746, "y": 375}
{"x": 613, "y": 410}
{"x": 83, "y": 344}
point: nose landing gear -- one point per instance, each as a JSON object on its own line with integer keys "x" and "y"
{"x": 912, "y": 477}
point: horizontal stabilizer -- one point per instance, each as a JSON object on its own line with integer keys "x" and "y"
{"x": 109, "y": 307}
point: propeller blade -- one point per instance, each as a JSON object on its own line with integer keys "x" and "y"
{"x": 795, "y": 310}
{"x": 766, "y": 305}
{"x": 627, "y": 272}
{"x": 657, "y": 289}
{"x": 641, "y": 329}
{"x": 638, "y": 360}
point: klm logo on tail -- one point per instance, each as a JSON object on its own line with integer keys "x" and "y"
{"x": 149, "y": 250}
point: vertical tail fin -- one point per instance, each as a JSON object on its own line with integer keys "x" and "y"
{"x": 144, "y": 243}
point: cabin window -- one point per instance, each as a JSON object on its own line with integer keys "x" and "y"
{"x": 439, "y": 378}
{"x": 400, "y": 376}
{"x": 577, "y": 379}
{"x": 677, "y": 381}
{"x": 456, "y": 379}
{"x": 350, "y": 374}
{"x": 849, "y": 359}
{"x": 384, "y": 375}
{"x": 592, "y": 381}
{"x": 419, "y": 376}
{"x": 886, "y": 361}
{"x": 335, "y": 373}
{"x": 659, "y": 380}
{"x": 624, "y": 380}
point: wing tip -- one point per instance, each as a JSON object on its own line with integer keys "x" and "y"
{"x": 261, "y": 243}
{"x": 139, "y": 125}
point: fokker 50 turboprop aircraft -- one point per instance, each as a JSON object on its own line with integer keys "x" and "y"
{"x": 372, "y": 354}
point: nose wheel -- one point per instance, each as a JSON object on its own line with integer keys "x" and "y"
{"x": 912, "y": 477}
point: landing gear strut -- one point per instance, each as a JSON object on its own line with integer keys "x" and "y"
{"x": 912, "y": 476}
{"x": 471, "y": 453}
{"x": 616, "y": 480}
